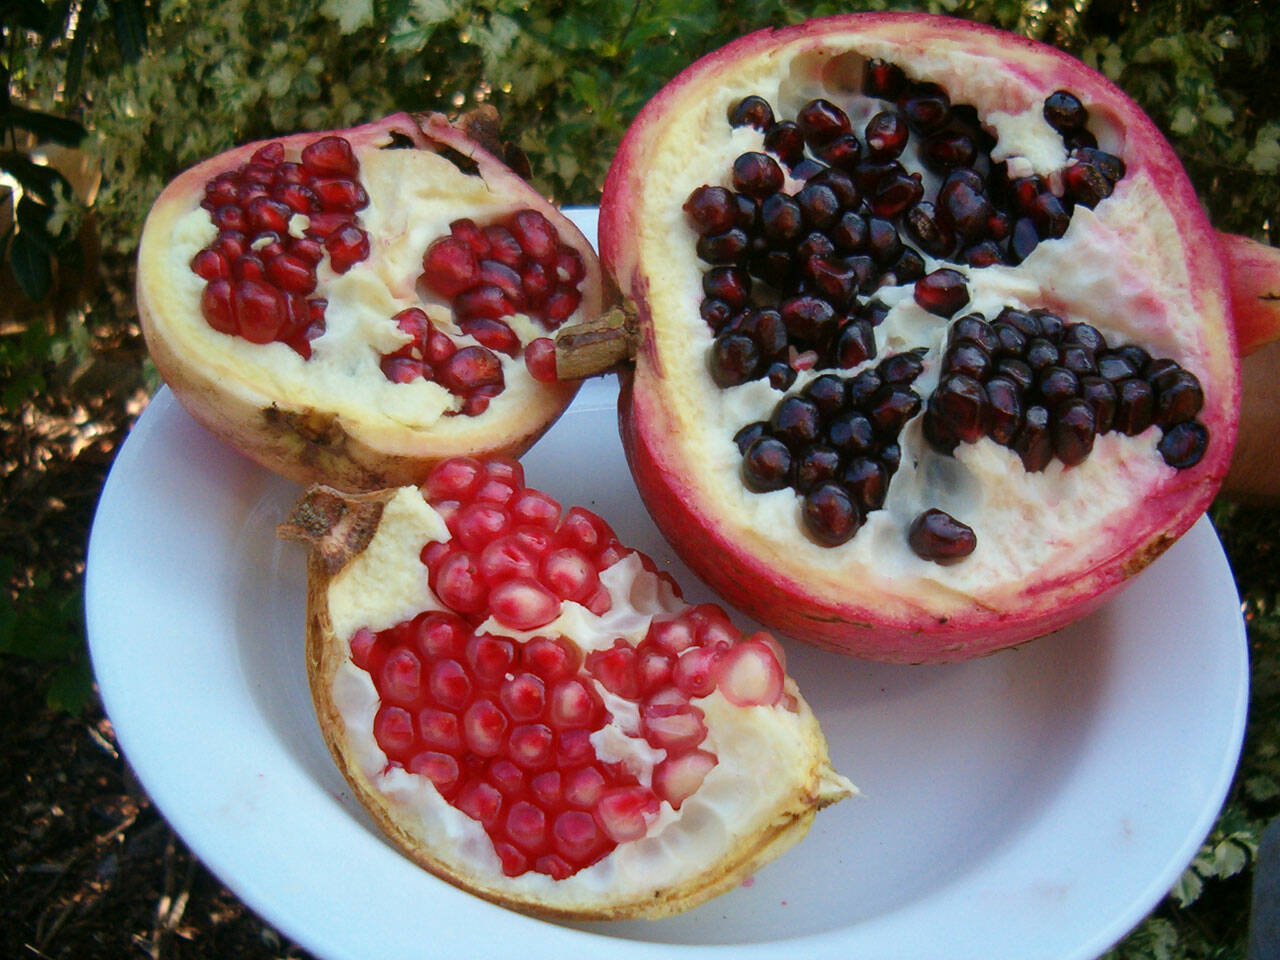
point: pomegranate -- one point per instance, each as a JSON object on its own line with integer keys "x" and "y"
{"x": 529, "y": 710}
{"x": 353, "y": 307}
{"x": 933, "y": 343}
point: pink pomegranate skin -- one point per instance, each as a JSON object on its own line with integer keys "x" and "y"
{"x": 911, "y": 625}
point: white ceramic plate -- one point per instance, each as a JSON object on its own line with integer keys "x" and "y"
{"x": 1033, "y": 804}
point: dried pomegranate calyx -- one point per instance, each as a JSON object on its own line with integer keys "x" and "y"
{"x": 560, "y": 762}
{"x": 1038, "y": 189}
{"x": 283, "y": 295}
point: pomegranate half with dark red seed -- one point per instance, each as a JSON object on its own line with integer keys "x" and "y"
{"x": 529, "y": 709}
{"x": 353, "y": 307}
{"x": 962, "y": 406}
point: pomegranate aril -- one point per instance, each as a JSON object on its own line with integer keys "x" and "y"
{"x": 503, "y": 246}
{"x": 490, "y": 658}
{"x": 267, "y": 214}
{"x": 291, "y": 274}
{"x": 524, "y": 696}
{"x": 570, "y": 705}
{"x": 439, "y": 729}
{"x": 440, "y": 768}
{"x": 401, "y": 678}
{"x": 484, "y": 728}
{"x": 535, "y": 235}
{"x": 450, "y": 266}
{"x": 454, "y": 479}
{"x": 449, "y": 684}
{"x": 540, "y": 359}
{"x": 480, "y": 800}
{"x": 695, "y": 671}
{"x": 297, "y": 197}
{"x": 339, "y": 193}
{"x": 514, "y": 863}
{"x": 531, "y": 745}
{"x": 936, "y": 535}
{"x": 757, "y": 175}
{"x": 458, "y": 583}
{"x": 550, "y": 660}
{"x": 209, "y": 264}
{"x": 470, "y": 369}
{"x": 561, "y": 304}
{"x": 347, "y": 246}
{"x": 576, "y": 836}
{"x": 393, "y": 731}
{"x": 676, "y": 779}
{"x": 259, "y": 311}
{"x": 1184, "y": 445}
{"x": 523, "y": 604}
{"x": 330, "y": 155}
{"x": 674, "y": 729}
{"x": 326, "y": 223}
{"x": 624, "y": 813}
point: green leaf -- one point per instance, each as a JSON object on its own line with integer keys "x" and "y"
{"x": 71, "y": 686}
{"x": 31, "y": 265}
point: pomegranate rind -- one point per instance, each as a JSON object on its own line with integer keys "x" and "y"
{"x": 262, "y": 399}
{"x": 1255, "y": 290}
{"x": 1171, "y": 273}
{"x": 363, "y": 567}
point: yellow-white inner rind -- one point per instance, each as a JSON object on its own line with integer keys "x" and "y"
{"x": 1117, "y": 268}
{"x": 413, "y": 197}
{"x": 767, "y": 756}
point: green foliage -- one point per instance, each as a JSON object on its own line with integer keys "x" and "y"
{"x": 44, "y": 622}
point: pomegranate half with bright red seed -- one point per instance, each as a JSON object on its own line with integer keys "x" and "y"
{"x": 353, "y": 307}
{"x": 530, "y": 710}
{"x": 934, "y": 341}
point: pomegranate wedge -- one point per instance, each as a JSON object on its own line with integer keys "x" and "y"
{"x": 353, "y": 307}
{"x": 934, "y": 342}
{"x": 528, "y": 708}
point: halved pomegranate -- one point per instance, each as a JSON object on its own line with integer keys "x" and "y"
{"x": 353, "y": 307}
{"x": 934, "y": 343}
{"x": 529, "y": 710}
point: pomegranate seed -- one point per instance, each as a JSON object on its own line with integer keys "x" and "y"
{"x": 439, "y": 347}
{"x": 493, "y": 334}
{"x": 230, "y": 217}
{"x": 507, "y": 558}
{"x": 503, "y": 246}
{"x": 550, "y": 659}
{"x": 362, "y": 646}
{"x": 440, "y": 729}
{"x": 574, "y": 748}
{"x": 514, "y": 863}
{"x": 653, "y": 669}
{"x": 523, "y": 604}
{"x": 483, "y": 301}
{"x": 545, "y": 788}
{"x": 540, "y": 358}
{"x": 440, "y": 768}
{"x": 576, "y": 836}
{"x": 484, "y": 727}
{"x": 248, "y": 266}
{"x": 561, "y": 304}
{"x": 330, "y": 155}
{"x": 450, "y": 266}
{"x": 454, "y": 479}
{"x": 506, "y": 776}
{"x": 449, "y": 684}
{"x": 526, "y": 825}
{"x": 490, "y": 658}
{"x": 535, "y": 507}
{"x": 936, "y": 535}
{"x": 347, "y": 246}
{"x": 531, "y": 745}
{"x": 536, "y": 236}
{"x": 695, "y": 674}
{"x": 624, "y": 813}
{"x": 750, "y": 675}
{"x": 439, "y": 635}
{"x": 524, "y": 696}
{"x": 615, "y": 668}
{"x": 570, "y": 704}
{"x": 480, "y": 801}
{"x": 458, "y": 583}
{"x": 942, "y": 292}
{"x": 393, "y": 730}
{"x": 402, "y": 369}
{"x": 267, "y": 214}
{"x": 291, "y": 274}
{"x": 535, "y": 285}
{"x": 297, "y": 197}
{"x": 553, "y": 866}
{"x": 467, "y": 231}
{"x": 220, "y": 192}
{"x": 259, "y": 311}
{"x": 216, "y": 304}
{"x": 471, "y": 368}
{"x": 401, "y": 678}
{"x": 583, "y": 529}
{"x": 570, "y": 268}
{"x": 326, "y": 223}
{"x": 209, "y": 264}
{"x": 676, "y": 779}
{"x": 584, "y": 786}
{"x": 478, "y": 523}
{"x": 307, "y": 249}
{"x": 673, "y": 636}
{"x": 339, "y": 193}
{"x": 675, "y": 728}
{"x": 569, "y": 574}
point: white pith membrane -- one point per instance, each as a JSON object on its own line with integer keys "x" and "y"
{"x": 414, "y": 194}
{"x": 1118, "y": 267}
{"x": 771, "y": 769}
